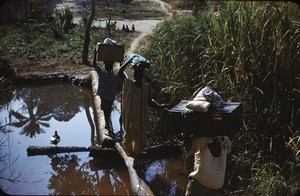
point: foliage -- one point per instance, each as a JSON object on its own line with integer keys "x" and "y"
{"x": 125, "y": 13}
{"x": 84, "y": 19}
{"x": 268, "y": 180}
{"x": 5, "y": 74}
{"x": 35, "y": 41}
{"x": 248, "y": 52}
{"x": 40, "y": 10}
{"x": 7, "y": 171}
{"x": 62, "y": 20}
{"x": 111, "y": 25}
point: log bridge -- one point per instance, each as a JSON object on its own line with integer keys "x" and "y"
{"x": 113, "y": 150}
{"x": 138, "y": 186}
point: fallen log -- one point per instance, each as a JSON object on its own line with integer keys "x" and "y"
{"x": 107, "y": 153}
{"x": 105, "y": 139}
{"x": 109, "y": 158}
{"x": 151, "y": 152}
{"x": 160, "y": 151}
{"x": 45, "y": 150}
{"x": 111, "y": 154}
{"x": 138, "y": 186}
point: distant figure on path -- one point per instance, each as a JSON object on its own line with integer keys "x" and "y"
{"x": 83, "y": 3}
{"x": 127, "y": 29}
{"x": 133, "y": 28}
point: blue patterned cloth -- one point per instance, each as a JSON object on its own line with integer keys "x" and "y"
{"x": 213, "y": 97}
{"x": 138, "y": 60}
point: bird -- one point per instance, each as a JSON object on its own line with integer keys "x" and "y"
{"x": 55, "y": 139}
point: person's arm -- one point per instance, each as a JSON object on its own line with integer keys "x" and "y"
{"x": 228, "y": 145}
{"x": 154, "y": 104}
{"x": 198, "y": 144}
{"x": 121, "y": 72}
{"x": 96, "y": 67}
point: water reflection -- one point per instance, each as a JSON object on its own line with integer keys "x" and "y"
{"x": 36, "y": 119}
{"x": 112, "y": 176}
{"x": 35, "y": 106}
{"x": 89, "y": 178}
{"x": 166, "y": 176}
{"x": 30, "y": 116}
{"x": 7, "y": 172}
{"x": 70, "y": 178}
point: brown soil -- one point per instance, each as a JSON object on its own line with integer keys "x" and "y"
{"x": 71, "y": 67}
{"x": 29, "y": 69}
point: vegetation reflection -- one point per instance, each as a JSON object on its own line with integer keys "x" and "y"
{"x": 73, "y": 178}
{"x": 40, "y": 104}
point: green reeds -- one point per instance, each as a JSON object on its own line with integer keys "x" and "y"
{"x": 248, "y": 52}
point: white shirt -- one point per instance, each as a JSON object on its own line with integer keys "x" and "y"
{"x": 210, "y": 170}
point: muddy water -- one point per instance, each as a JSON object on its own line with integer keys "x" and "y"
{"x": 29, "y": 115}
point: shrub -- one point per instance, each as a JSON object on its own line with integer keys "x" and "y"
{"x": 62, "y": 20}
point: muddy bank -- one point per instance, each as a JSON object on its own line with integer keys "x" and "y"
{"x": 81, "y": 79}
{"x": 65, "y": 70}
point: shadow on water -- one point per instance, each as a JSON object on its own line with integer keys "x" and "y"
{"x": 29, "y": 115}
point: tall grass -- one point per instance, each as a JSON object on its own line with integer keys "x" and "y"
{"x": 248, "y": 52}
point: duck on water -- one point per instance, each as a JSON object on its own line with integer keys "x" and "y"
{"x": 55, "y": 139}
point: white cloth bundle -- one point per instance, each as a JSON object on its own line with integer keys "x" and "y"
{"x": 110, "y": 41}
{"x": 199, "y": 103}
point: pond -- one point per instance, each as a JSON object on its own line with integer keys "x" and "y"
{"x": 29, "y": 115}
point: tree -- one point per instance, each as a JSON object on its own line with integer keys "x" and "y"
{"x": 85, "y": 52}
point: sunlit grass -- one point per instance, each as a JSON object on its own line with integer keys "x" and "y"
{"x": 34, "y": 40}
{"x": 248, "y": 52}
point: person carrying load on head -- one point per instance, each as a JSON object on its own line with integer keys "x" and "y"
{"x": 210, "y": 152}
{"x": 109, "y": 85}
{"x": 210, "y": 155}
{"x": 135, "y": 107}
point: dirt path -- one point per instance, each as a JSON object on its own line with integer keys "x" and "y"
{"x": 147, "y": 26}
{"x": 144, "y": 27}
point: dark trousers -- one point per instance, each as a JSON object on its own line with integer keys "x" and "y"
{"x": 195, "y": 188}
{"x": 106, "y": 106}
